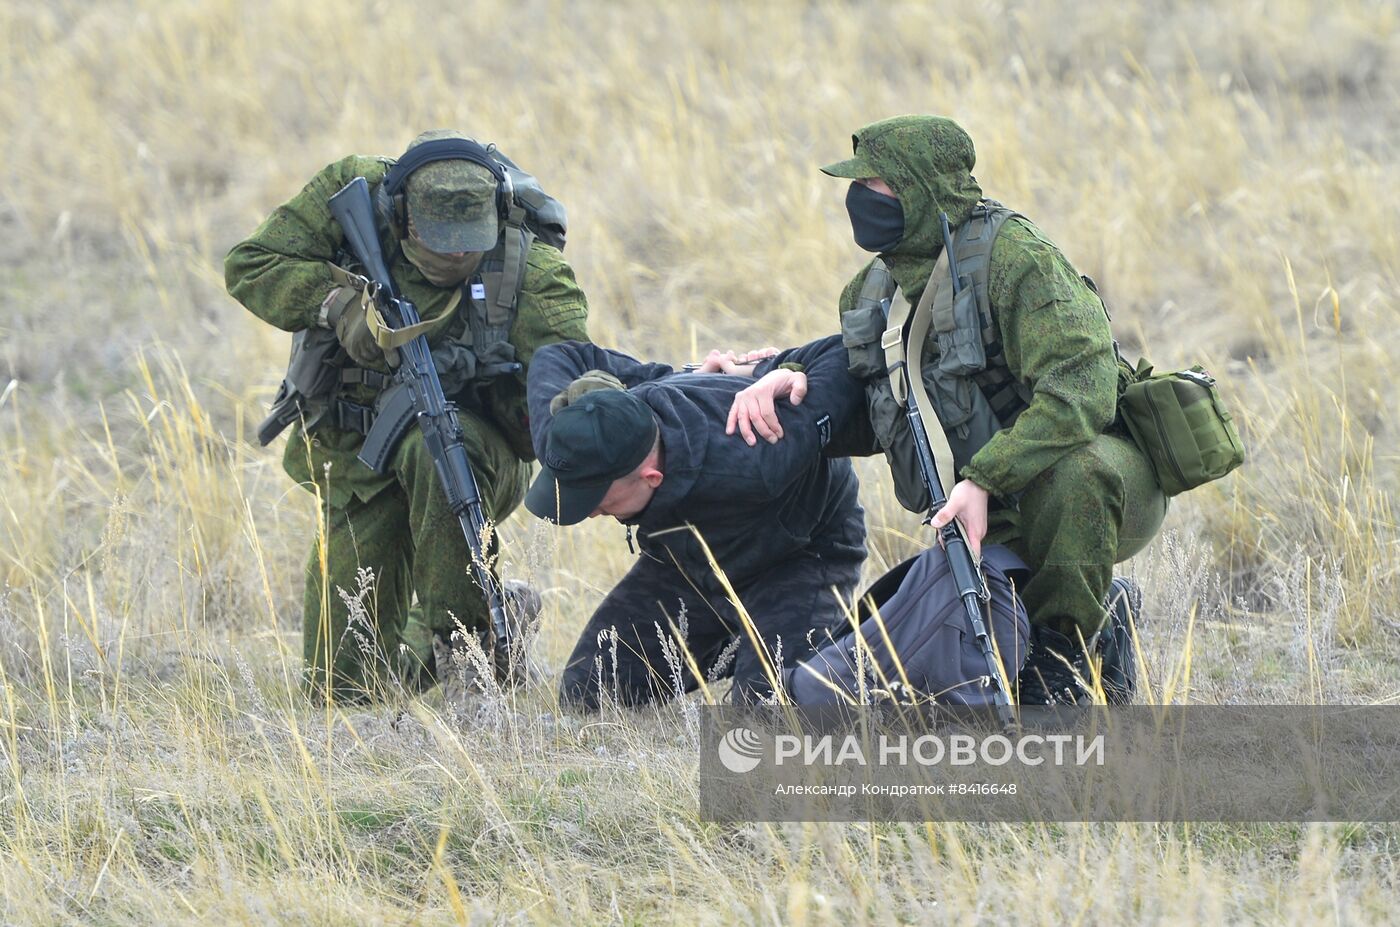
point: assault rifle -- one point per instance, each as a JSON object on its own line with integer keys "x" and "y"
{"x": 967, "y": 574}
{"x": 418, "y": 377}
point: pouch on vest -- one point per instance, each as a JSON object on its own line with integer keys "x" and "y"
{"x": 969, "y": 424}
{"x": 957, "y": 330}
{"x": 960, "y": 330}
{"x": 963, "y": 411}
{"x": 310, "y": 379}
{"x": 860, "y": 333}
{"x": 896, "y": 438}
{"x": 864, "y": 323}
{"x": 925, "y": 643}
{"x": 1182, "y": 426}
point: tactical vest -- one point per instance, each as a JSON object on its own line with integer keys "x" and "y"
{"x": 476, "y": 352}
{"x": 972, "y": 389}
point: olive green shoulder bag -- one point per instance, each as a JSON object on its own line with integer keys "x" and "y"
{"x": 1182, "y": 425}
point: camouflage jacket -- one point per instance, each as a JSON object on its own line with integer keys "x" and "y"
{"x": 279, "y": 273}
{"x": 1052, "y": 327}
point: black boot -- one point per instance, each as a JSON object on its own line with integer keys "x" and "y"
{"x": 1058, "y": 670}
{"x": 1115, "y": 644}
{"x": 1055, "y": 672}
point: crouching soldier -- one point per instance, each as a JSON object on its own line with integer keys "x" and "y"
{"x": 647, "y": 446}
{"x": 1021, "y": 370}
{"x": 474, "y": 243}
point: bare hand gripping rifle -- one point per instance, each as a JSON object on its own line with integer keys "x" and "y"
{"x": 418, "y": 377}
{"x": 967, "y": 573}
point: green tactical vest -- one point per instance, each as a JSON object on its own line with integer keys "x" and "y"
{"x": 972, "y": 389}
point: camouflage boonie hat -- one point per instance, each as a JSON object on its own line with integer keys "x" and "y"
{"x": 452, "y": 203}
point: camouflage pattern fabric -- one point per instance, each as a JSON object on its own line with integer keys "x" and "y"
{"x": 792, "y": 606}
{"x": 1058, "y": 343}
{"x": 1097, "y": 506}
{"x": 279, "y": 274}
{"x": 411, "y": 541}
{"x": 927, "y": 161}
{"x": 452, "y": 203}
{"x": 379, "y": 520}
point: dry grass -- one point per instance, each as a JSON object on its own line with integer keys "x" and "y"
{"x": 1229, "y": 176}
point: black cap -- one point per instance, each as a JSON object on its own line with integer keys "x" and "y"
{"x": 600, "y": 437}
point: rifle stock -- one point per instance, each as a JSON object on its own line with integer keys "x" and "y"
{"x": 442, "y": 433}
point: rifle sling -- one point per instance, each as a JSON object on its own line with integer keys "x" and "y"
{"x": 904, "y": 350}
{"x": 390, "y": 339}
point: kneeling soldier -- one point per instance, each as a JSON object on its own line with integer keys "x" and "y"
{"x": 1023, "y": 375}
{"x": 474, "y": 243}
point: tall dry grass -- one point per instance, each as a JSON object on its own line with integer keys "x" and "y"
{"x": 1229, "y": 176}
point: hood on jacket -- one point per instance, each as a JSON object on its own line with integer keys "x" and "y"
{"x": 927, "y": 161}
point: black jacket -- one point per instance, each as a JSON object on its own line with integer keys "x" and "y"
{"x": 755, "y": 507}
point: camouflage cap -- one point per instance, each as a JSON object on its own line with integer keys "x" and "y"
{"x": 452, "y": 203}
{"x": 937, "y": 140}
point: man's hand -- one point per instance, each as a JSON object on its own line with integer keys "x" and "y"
{"x": 968, "y": 504}
{"x": 345, "y": 311}
{"x": 739, "y": 364}
{"x": 753, "y": 407}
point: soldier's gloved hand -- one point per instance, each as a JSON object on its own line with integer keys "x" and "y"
{"x": 593, "y": 379}
{"x": 346, "y": 309}
{"x": 351, "y": 324}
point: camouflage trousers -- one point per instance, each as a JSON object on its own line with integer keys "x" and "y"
{"x": 1099, "y": 505}
{"x": 628, "y": 648}
{"x": 409, "y": 542}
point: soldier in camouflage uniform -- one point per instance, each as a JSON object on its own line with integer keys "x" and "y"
{"x": 1059, "y": 481}
{"x": 445, "y": 240}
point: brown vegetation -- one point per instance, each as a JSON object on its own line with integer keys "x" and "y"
{"x": 1228, "y": 175}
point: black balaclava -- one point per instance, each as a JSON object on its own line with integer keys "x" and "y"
{"x": 877, "y": 219}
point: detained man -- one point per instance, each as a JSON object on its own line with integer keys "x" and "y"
{"x": 726, "y": 530}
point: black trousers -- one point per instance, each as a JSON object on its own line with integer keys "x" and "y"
{"x": 629, "y": 648}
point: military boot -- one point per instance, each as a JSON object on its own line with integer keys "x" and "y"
{"x": 513, "y": 665}
{"x": 1118, "y": 672}
{"x": 1055, "y": 672}
{"x": 1058, "y": 670}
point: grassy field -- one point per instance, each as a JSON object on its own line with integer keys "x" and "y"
{"x": 1230, "y": 176}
